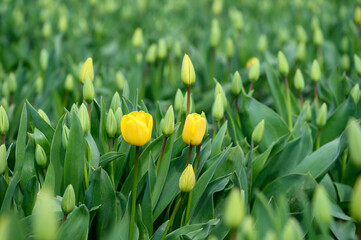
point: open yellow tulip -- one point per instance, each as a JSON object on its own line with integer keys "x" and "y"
{"x": 137, "y": 127}
{"x": 194, "y": 129}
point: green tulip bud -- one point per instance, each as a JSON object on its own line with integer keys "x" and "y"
{"x": 218, "y": 108}
{"x": 88, "y": 91}
{"x": 162, "y": 48}
{"x": 63, "y": 23}
{"x": 299, "y": 81}
{"x": 229, "y": 48}
{"x": 355, "y": 93}
{"x": 236, "y": 84}
{"x": 40, "y": 156}
{"x": 309, "y": 112}
{"x": 254, "y": 71}
{"x": 184, "y": 107}
{"x": 219, "y": 90}
{"x": 46, "y": 30}
{"x": 188, "y": 74}
{"x": 345, "y": 62}
{"x": 258, "y": 132}
{"x": 44, "y": 59}
{"x": 301, "y": 51}
{"x": 12, "y": 84}
{"x": 87, "y": 71}
{"x": 318, "y": 36}
{"x": 68, "y": 201}
{"x": 3, "y": 160}
{"x": 168, "y": 124}
{"x": 315, "y": 71}
{"x": 4, "y": 121}
{"x": 74, "y": 109}
{"x": 39, "y": 84}
{"x": 69, "y": 83}
{"x": 187, "y": 179}
{"x": 357, "y": 61}
{"x": 248, "y": 228}
{"x": 44, "y": 116}
{"x": 120, "y": 79}
{"x": 84, "y": 118}
{"x": 178, "y": 101}
{"x": 5, "y": 89}
{"x": 139, "y": 57}
{"x": 283, "y": 67}
{"x": 357, "y": 15}
{"x": 236, "y": 19}
{"x": 292, "y": 230}
{"x": 315, "y": 23}
{"x": 116, "y": 102}
{"x": 4, "y": 102}
{"x": 321, "y": 116}
{"x": 270, "y": 235}
{"x": 111, "y": 124}
{"x": 118, "y": 117}
{"x": 177, "y": 49}
{"x": 344, "y": 44}
{"x": 151, "y": 54}
{"x": 301, "y": 34}
{"x": 235, "y": 209}
{"x": 354, "y": 141}
{"x": 137, "y": 39}
{"x": 321, "y": 206}
{"x": 215, "y": 34}
{"x": 355, "y": 209}
{"x": 217, "y": 6}
{"x": 65, "y": 136}
{"x": 262, "y": 43}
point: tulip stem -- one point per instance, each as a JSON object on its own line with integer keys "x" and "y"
{"x": 315, "y": 94}
{"x": 215, "y": 129}
{"x": 233, "y": 234}
{"x": 134, "y": 193}
{"x": 189, "y": 155}
{"x": 188, "y": 99}
{"x": 236, "y": 104}
{"x": 89, "y": 112}
{"x": 3, "y": 139}
{"x": 289, "y": 109}
{"x": 171, "y": 220}
{"x": 112, "y": 162}
{"x": 161, "y": 153}
{"x": 301, "y": 99}
{"x": 250, "y": 87}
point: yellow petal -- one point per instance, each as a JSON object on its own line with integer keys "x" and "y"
{"x": 199, "y": 130}
{"x": 188, "y": 129}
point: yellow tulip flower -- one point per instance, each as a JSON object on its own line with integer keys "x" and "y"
{"x": 87, "y": 71}
{"x": 194, "y": 129}
{"x": 137, "y": 127}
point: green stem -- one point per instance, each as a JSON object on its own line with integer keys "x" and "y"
{"x": 289, "y": 110}
{"x": 250, "y": 87}
{"x": 301, "y": 100}
{"x": 188, "y": 100}
{"x": 161, "y": 153}
{"x": 189, "y": 155}
{"x": 315, "y": 94}
{"x": 171, "y": 220}
{"x": 90, "y": 113}
{"x": 3, "y": 139}
{"x": 215, "y": 129}
{"x": 134, "y": 193}
{"x": 85, "y": 175}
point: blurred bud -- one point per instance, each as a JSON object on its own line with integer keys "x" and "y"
{"x": 344, "y": 44}
{"x": 74, "y": 109}
{"x": 250, "y": 62}
{"x": 68, "y": 201}
{"x": 292, "y": 230}
{"x": 87, "y": 71}
{"x": 120, "y": 79}
{"x": 218, "y": 108}
{"x": 299, "y": 81}
{"x": 40, "y": 156}
{"x": 345, "y": 62}
{"x": 162, "y": 48}
{"x": 118, "y": 117}
{"x": 188, "y": 74}
{"x": 5, "y": 89}
{"x": 309, "y": 113}
{"x": 88, "y": 91}
{"x": 69, "y": 83}
{"x": 84, "y": 118}
{"x": 4, "y": 121}
{"x": 177, "y": 49}
{"x": 63, "y": 23}
{"x": 139, "y": 58}
{"x": 315, "y": 71}
{"x": 217, "y": 6}
{"x": 4, "y": 102}
{"x": 168, "y": 124}
{"x": 235, "y": 209}
{"x": 46, "y": 30}
{"x": 355, "y": 93}
{"x": 187, "y": 179}
{"x": 178, "y": 101}
{"x": 258, "y": 133}
{"x": 248, "y": 227}
{"x": 151, "y": 54}
{"x": 39, "y": 84}
{"x": 321, "y": 116}
{"x": 357, "y": 15}
{"x": 318, "y": 36}
{"x": 3, "y": 161}
{"x": 283, "y": 67}
{"x": 236, "y": 18}
{"x": 322, "y": 206}
{"x": 355, "y": 209}
{"x": 315, "y": 23}
{"x": 262, "y": 43}
{"x": 270, "y": 235}
{"x": 357, "y": 64}
{"x": 12, "y": 84}
{"x": 184, "y": 107}
{"x": 44, "y": 116}
{"x": 137, "y": 37}
{"x": 236, "y": 84}
{"x": 254, "y": 71}
{"x": 229, "y": 48}
{"x": 301, "y": 51}
{"x": 219, "y": 90}
{"x": 215, "y": 34}
{"x": 301, "y": 34}
{"x": 44, "y": 59}
{"x": 354, "y": 141}
{"x": 116, "y": 102}
{"x": 65, "y": 136}
{"x": 111, "y": 124}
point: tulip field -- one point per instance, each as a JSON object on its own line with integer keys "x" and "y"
{"x": 153, "y": 120}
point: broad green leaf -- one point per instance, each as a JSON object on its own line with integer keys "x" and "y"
{"x": 218, "y": 140}
{"x": 30, "y": 195}
{"x": 76, "y": 225}
{"x": 21, "y": 140}
{"x": 28, "y": 169}
{"x": 102, "y": 129}
{"x": 9, "y": 193}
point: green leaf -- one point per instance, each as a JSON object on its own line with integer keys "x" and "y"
{"x": 109, "y": 157}
{"x": 9, "y": 193}
{"x": 102, "y": 129}
{"x": 218, "y": 140}
{"x": 21, "y": 140}
{"x": 30, "y": 195}
{"x": 28, "y": 169}
{"x": 76, "y": 225}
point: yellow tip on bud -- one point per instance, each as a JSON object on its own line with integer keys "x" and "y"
{"x": 187, "y": 179}
{"x": 188, "y": 74}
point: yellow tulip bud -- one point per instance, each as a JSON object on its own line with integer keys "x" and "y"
{"x": 315, "y": 71}
{"x": 187, "y": 179}
{"x": 357, "y": 15}
{"x": 84, "y": 118}
{"x": 88, "y": 90}
{"x": 258, "y": 132}
{"x": 318, "y": 36}
{"x": 12, "y": 84}
{"x": 137, "y": 127}
{"x": 194, "y": 129}
{"x": 299, "y": 81}
{"x": 355, "y": 93}
{"x": 254, "y": 71}
{"x": 40, "y": 156}
{"x": 168, "y": 124}
{"x": 87, "y": 71}
{"x": 111, "y": 124}
{"x": 229, "y": 48}
{"x": 69, "y": 83}
{"x": 44, "y": 116}
{"x": 3, "y": 160}
{"x": 151, "y": 54}
{"x": 44, "y": 59}
{"x": 357, "y": 64}
{"x": 322, "y": 206}
{"x": 68, "y": 201}
{"x": 4, "y": 121}
{"x": 137, "y": 39}
{"x": 283, "y": 67}
{"x": 65, "y": 136}
{"x": 354, "y": 141}
{"x": 235, "y": 209}
{"x": 178, "y": 101}
{"x": 301, "y": 51}
{"x": 188, "y": 74}
{"x": 355, "y": 201}
{"x": 162, "y": 48}
{"x": 120, "y": 79}
{"x": 236, "y": 84}
{"x": 215, "y": 33}
{"x": 321, "y": 116}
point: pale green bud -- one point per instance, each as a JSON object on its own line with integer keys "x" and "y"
{"x": 74, "y": 109}
{"x": 5, "y": 89}
{"x": 219, "y": 90}
{"x": 357, "y": 15}
{"x": 345, "y": 62}
{"x": 355, "y": 93}
{"x": 315, "y": 71}
{"x": 229, "y": 48}
{"x": 63, "y": 23}
{"x": 139, "y": 57}
{"x": 4, "y": 102}
{"x": 301, "y": 34}
{"x": 12, "y": 84}
{"x": 315, "y": 23}
{"x": 354, "y": 141}
{"x": 309, "y": 113}
{"x": 162, "y": 48}
{"x": 3, "y": 160}
{"x": 187, "y": 179}
{"x": 69, "y": 83}
{"x": 118, "y": 117}
{"x": 65, "y": 136}
{"x": 120, "y": 79}
{"x": 40, "y": 156}
{"x": 258, "y": 132}
{"x": 151, "y": 54}
{"x": 292, "y": 230}
{"x": 47, "y": 30}
{"x": 301, "y": 51}
{"x": 44, "y": 116}
{"x": 248, "y": 227}
{"x": 68, "y": 201}
{"x": 235, "y": 210}
{"x": 283, "y": 67}
{"x": 168, "y": 124}
{"x": 318, "y": 36}
{"x": 188, "y": 74}
{"x": 321, "y": 206}
{"x": 44, "y": 59}
{"x": 88, "y": 91}
{"x": 84, "y": 118}
{"x": 262, "y": 43}
{"x": 236, "y": 18}
{"x": 178, "y": 101}
{"x": 355, "y": 209}
{"x": 217, "y": 6}
{"x": 87, "y": 71}
{"x": 111, "y": 124}
{"x": 236, "y": 84}
{"x": 215, "y": 33}
{"x": 137, "y": 39}
{"x": 177, "y": 49}
{"x": 357, "y": 61}
{"x": 270, "y": 235}
{"x": 254, "y": 71}
{"x": 39, "y": 84}
{"x": 321, "y": 116}
{"x": 218, "y": 108}
{"x": 299, "y": 81}
{"x": 116, "y": 102}
{"x": 4, "y": 121}
{"x": 344, "y": 44}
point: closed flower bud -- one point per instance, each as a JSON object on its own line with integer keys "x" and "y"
{"x": 194, "y": 129}
{"x": 355, "y": 93}
{"x": 151, "y": 54}
{"x": 44, "y": 116}
{"x": 345, "y": 62}
{"x": 111, "y": 124}
{"x": 309, "y": 113}
{"x": 283, "y": 67}
{"x": 318, "y": 36}
{"x": 12, "y": 84}
{"x": 321, "y": 116}
{"x": 162, "y": 48}
{"x": 299, "y": 81}
{"x": 250, "y": 62}
{"x": 235, "y": 208}
{"x": 68, "y": 201}
{"x": 357, "y": 15}
{"x": 137, "y": 39}
{"x": 315, "y": 71}
{"x": 301, "y": 51}
{"x": 44, "y": 59}
{"x": 354, "y": 141}
{"x": 187, "y": 179}
{"x": 229, "y": 48}
{"x": 40, "y": 156}
{"x": 116, "y": 102}
{"x": 178, "y": 101}
{"x": 292, "y": 230}
{"x": 218, "y": 108}
{"x": 301, "y": 34}
{"x": 355, "y": 209}
{"x": 254, "y": 71}
{"x": 63, "y": 23}
{"x": 137, "y": 127}
{"x": 258, "y": 132}
{"x": 344, "y": 44}
{"x": 219, "y": 90}
{"x": 248, "y": 227}
{"x": 46, "y": 30}
{"x": 215, "y": 33}
{"x": 4, "y": 121}
{"x": 321, "y": 206}
{"x": 5, "y": 103}
{"x": 88, "y": 91}
{"x": 217, "y": 7}
{"x": 139, "y": 57}
{"x": 84, "y": 118}
{"x": 118, "y": 117}
{"x": 69, "y": 83}
{"x": 236, "y": 18}
{"x": 120, "y": 79}
{"x": 188, "y": 74}
{"x": 5, "y": 89}
{"x": 168, "y": 124}
{"x": 65, "y": 136}
{"x": 39, "y": 84}
{"x": 357, "y": 64}
{"x": 87, "y": 71}
{"x": 236, "y": 84}
{"x": 262, "y": 43}
{"x": 3, "y": 161}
